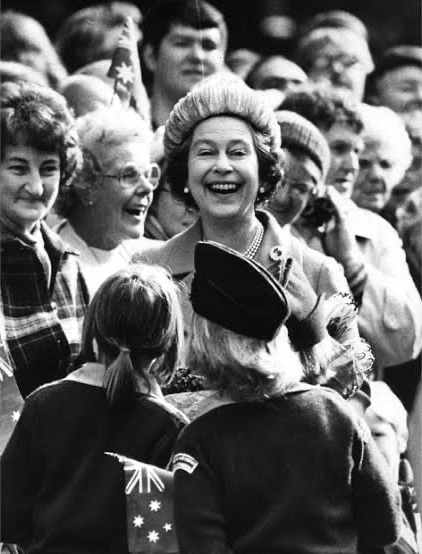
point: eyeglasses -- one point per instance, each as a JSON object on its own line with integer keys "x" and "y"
{"x": 131, "y": 175}
{"x": 327, "y": 62}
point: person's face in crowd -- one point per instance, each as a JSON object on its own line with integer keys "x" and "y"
{"x": 338, "y": 66}
{"x": 120, "y": 209}
{"x": 173, "y": 214}
{"x": 401, "y": 89}
{"x": 241, "y": 61}
{"x": 346, "y": 146}
{"x": 29, "y": 183}
{"x": 185, "y": 57}
{"x": 386, "y": 439}
{"x": 223, "y": 171}
{"x": 377, "y": 174}
{"x": 301, "y": 178}
{"x": 409, "y": 215}
{"x": 278, "y": 73}
{"x": 412, "y": 179}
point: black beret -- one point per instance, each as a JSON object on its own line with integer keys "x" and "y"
{"x": 237, "y": 293}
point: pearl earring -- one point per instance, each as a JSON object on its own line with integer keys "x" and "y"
{"x": 90, "y": 202}
{"x": 262, "y": 190}
{"x": 185, "y": 190}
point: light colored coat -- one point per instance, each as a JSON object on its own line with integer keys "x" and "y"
{"x": 390, "y": 317}
{"x": 177, "y": 255}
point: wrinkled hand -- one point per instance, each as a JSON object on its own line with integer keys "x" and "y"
{"x": 339, "y": 241}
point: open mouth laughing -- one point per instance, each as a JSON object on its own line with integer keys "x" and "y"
{"x": 223, "y": 188}
{"x": 138, "y": 211}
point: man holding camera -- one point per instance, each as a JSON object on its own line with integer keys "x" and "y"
{"x": 367, "y": 247}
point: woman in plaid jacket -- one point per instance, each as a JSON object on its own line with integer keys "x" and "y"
{"x": 43, "y": 293}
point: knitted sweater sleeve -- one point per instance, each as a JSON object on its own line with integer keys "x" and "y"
{"x": 376, "y": 498}
{"x": 198, "y": 510}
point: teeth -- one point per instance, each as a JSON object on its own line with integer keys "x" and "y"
{"x": 223, "y": 186}
{"x": 136, "y": 211}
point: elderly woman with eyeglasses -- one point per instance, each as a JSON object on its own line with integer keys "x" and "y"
{"x": 106, "y": 204}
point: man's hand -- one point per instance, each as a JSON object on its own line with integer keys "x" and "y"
{"x": 338, "y": 240}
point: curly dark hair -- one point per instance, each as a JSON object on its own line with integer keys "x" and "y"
{"x": 324, "y": 107}
{"x": 271, "y": 168}
{"x": 39, "y": 117}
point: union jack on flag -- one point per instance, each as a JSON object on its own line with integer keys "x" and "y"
{"x": 149, "y": 507}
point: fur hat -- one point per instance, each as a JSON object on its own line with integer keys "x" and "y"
{"x": 237, "y": 293}
{"x": 298, "y": 131}
{"x": 398, "y": 56}
{"x": 219, "y": 95}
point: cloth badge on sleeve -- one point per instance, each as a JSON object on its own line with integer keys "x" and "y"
{"x": 185, "y": 462}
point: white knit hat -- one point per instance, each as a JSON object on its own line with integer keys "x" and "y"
{"x": 220, "y": 95}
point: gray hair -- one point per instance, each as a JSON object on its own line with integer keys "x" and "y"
{"x": 380, "y": 122}
{"x": 101, "y": 129}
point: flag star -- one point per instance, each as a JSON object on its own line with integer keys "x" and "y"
{"x": 155, "y": 505}
{"x": 138, "y": 521}
{"x": 125, "y": 73}
{"x": 167, "y": 527}
{"x": 153, "y": 536}
{"x": 16, "y": 415}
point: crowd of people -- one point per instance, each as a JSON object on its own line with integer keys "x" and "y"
{"x": 211, "y": 313}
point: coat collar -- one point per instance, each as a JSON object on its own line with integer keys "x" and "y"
{"x": 181, "y": 248}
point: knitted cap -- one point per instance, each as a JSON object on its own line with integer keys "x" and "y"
{"x": 301, "y": 133}
{"x": 219, "y": 95}
{"x": 398, "y": 56}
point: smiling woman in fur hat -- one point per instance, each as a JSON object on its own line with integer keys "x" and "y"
{"x": 223, "y": 149}
{"x": 279, "y": 466}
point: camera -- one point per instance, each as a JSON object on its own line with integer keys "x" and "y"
{"x": 319, "y": 210}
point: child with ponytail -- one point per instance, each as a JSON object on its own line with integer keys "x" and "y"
{"x": 60, "y": 491}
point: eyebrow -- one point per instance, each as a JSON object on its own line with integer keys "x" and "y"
{"x": 16, "y": 159}
{"x": 210, "y": 142}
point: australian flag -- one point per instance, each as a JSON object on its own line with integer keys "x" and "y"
{"x": 125, "y": 69}
{"x": 149, "y": 508}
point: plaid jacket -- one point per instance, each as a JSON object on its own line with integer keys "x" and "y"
{"x": 43, "y": 327}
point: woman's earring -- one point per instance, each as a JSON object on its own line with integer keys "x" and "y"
{"x": 90, "y": 203}
{"x": 185, "y": 190}
{"x": 262, "y": 190}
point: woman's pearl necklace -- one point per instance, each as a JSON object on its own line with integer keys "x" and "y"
{"x": 253, "y": 247}
{"x": 255, "y": 243}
